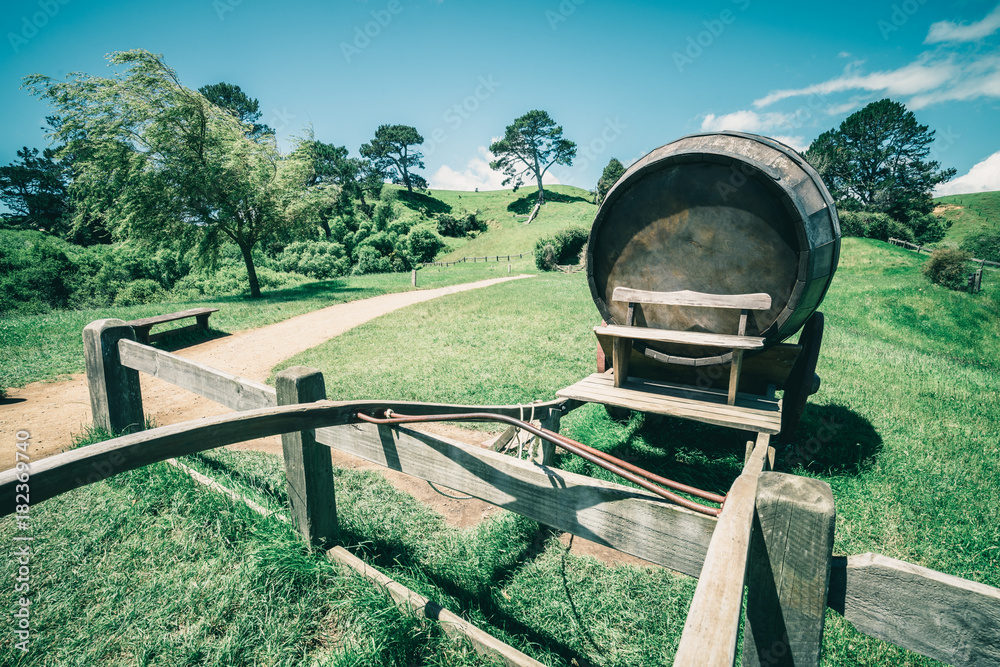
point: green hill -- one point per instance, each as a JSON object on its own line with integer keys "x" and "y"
{"x": 505, "y": 212}
{"x": 969, "y": 214}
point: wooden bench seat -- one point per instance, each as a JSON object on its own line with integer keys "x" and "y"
{"x": 143, "y": 325}
{"x": 750, "y": 412}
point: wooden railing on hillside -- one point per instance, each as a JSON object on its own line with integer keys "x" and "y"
{"x": 918, "y": 248}
{"x": 775, "y": 532}
{"x": 487, "y": 258}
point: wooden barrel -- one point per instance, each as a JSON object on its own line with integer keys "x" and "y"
{"x": 723, "y": 213}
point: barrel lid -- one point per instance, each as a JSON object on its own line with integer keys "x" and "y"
{"x": 722, "y": 213}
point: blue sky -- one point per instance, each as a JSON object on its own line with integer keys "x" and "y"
{"x": 621, "y": 77}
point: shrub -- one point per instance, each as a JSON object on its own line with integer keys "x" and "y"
{"x": 139, "y": 292}
{"x": 870, "y": 225}
{"x": 370, "y": 261}
{"x": 928, "y": 228}
{"x": 463, "y": 225}
{"x": 35, "y": 273}
{"x": 316, "y": 259}
{"x": 985, "y": 245}
{"x": 231, "y": 279}
{"x": 424, "y": 244}
{"x": 561, "y": 248}
{"x": 948, "y": 267}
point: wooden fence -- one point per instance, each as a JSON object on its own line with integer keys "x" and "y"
{"x": 487, "y": 258}
{"x": 775, "y": 532}
{"x": 913, "y": 246}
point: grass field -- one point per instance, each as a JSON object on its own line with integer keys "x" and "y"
{"x": 44, "y": 347}
{"x": 969, "y": 214}
{"x": 169, "y": 573}
{"x": 506, "y": 212}
{"x": 911, "y": 393}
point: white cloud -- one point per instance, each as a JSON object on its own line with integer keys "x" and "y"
{"x": 949, "y": 31}
{"x": 746, "y": 120}
{"x": 983, "y": 177}
{"x": 798, "y": 143}
{"x": 917, "y": 77}
{"x": 979, "y": 79}
{"x": 476, "y": 174}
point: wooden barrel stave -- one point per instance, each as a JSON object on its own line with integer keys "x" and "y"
{"x": 748, "y": 204}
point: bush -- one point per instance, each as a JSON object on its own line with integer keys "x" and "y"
{"x": 928, "y": 228}
{"x": 948, "y": 267}
{"x": 870, "y": 225}
{"x": 231, "y": 280}
{"x": 35, "y": 273}
{"x": 456, "y": 227}
{"x": 985, "y": 245}
{"x": 562, "y": 248}
{"x": 139, "y": 292}
{"x": 370, "y": 261}
{"x": 424, "y": 245}
{"x": 316, "y": 259}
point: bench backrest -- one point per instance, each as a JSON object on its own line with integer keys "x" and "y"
{"x": 757, "y": 301}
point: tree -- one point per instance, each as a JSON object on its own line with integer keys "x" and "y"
{"x": 35, "y": 190}
{"x": 230, "y": 97}
{"x": 877, "y": 160}
{"x": 159, "y": 162}
{"x": 530, "y": 145}
{"x": 390, "y": 151}
{"x": 609, "y": 177}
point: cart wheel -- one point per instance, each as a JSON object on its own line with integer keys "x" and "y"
{"x": 802, "y": 380}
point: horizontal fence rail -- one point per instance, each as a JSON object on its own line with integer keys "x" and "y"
{"x": 487, "y": 258}
{"x": 937, "y": 615}
{"x": 918, "y": 248}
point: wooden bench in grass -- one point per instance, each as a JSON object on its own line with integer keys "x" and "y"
{"x": 143, "y": 325}
{"x": 758, "y": 413}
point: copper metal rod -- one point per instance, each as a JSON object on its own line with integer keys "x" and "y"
{"x": 584, "y": 452}
{"x": 560, "y": 439}
{"x": 653, "y": 477}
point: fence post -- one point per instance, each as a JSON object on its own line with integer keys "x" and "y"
{"x": 545, "y": 451}
{"x": 413, "y": 278}
{"x": 115, "y": 396}
{"x": 308, "y": 468}
{"x": 789, "y": 571}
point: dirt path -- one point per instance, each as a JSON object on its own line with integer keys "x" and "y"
{"x": 53, "y": 413}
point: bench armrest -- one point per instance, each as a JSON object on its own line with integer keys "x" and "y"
{"x": 683, "y": 337}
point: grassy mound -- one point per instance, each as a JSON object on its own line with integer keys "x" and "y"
{"x": 969, "y": 214}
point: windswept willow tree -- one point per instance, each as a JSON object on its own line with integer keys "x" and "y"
{"x": 159, "y": 163}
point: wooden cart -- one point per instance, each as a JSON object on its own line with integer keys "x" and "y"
{"x": 703, "y": 260}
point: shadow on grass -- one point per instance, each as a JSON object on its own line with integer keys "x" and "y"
{"x": 523, "y": 205}
{"x": 306, "y": 291}
{"x": 423, "y": 203}
{"x": 178, "y": 341}
{"x": 394, "y": 555}
{"x": 397, "y": 553}
{"x": 831, "y": 440}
